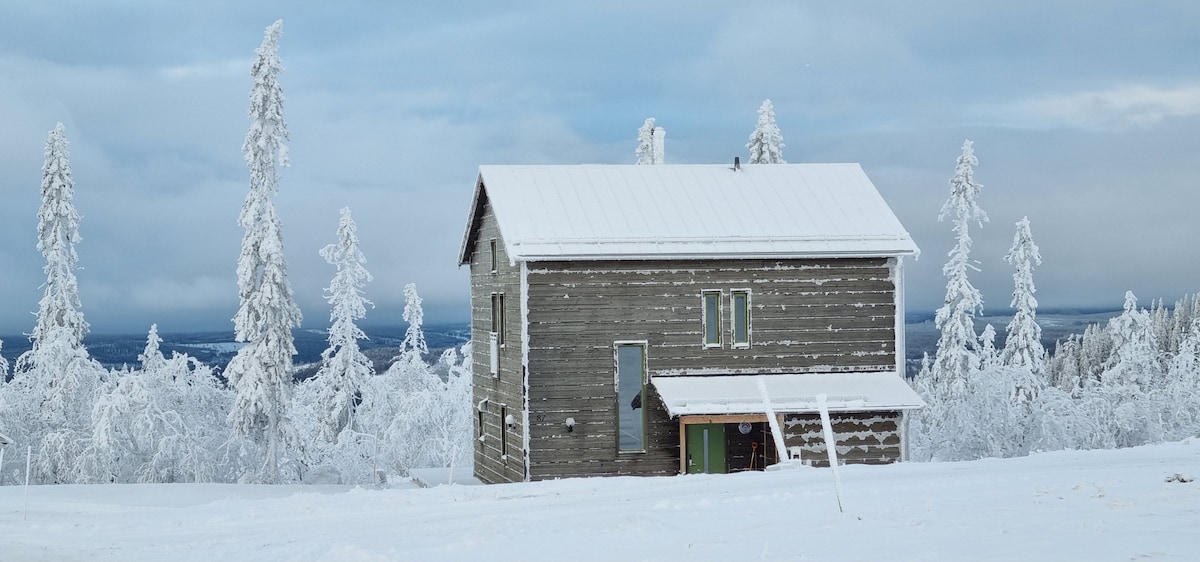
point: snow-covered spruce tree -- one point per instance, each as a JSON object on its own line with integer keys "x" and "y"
{"x": 1023, "y": 344}
{"x": 261, "y": 372}
{"x": 1182, "y": 318}
{"x": 956, "y": 347}
{"x": 53, "y": 382}
{"x": 766, "y": 142}
{"x": 344, "y": 367}
{"x": 1179, "y": 397}
{"x": 396, "y": 405}
{"x": 413, "y": 347}
{"x": 1063, "y": 371}
{"x": 151, "y": 357}
{"x": 1134, "y": 358}
{"x": 160, "y": 423}
{"x": 1131, "y": 375}
{"x": 988, "y": 356}
{"x": 651, "y": 143}
{"x": 451, "y": 443}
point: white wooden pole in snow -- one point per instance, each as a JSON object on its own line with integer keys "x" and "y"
{"x": 772, "y": 421}
{"x": 830, "y": 447}
{"x": 28, "y": 458}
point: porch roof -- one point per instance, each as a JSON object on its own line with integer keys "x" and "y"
{"x": 786, "y": 393}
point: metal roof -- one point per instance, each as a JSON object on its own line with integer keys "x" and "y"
{"x": 600, "y": 211}
{"x": 791, "y": 393}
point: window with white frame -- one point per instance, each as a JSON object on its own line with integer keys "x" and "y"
{"x": 631, "y": 389}
{"x": 711, "y": 313}
{"x": 492, "y": 256}
{"x": 740, "y": 303}
{"x": 498, "y": 317}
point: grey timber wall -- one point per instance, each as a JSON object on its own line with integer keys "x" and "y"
{"x": 499, "y": 450}
{"x": 806, "y": 316}
{"x": 862, "y": 437}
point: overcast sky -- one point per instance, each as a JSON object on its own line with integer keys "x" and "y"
{"x": 1085, "y": 116}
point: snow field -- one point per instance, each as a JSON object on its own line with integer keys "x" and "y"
{"x": 1065, "y": 505}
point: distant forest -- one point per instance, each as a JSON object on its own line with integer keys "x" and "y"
{"x": 215, "y": 349}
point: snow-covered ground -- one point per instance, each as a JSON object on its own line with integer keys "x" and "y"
{"x": 1092, "y": 505}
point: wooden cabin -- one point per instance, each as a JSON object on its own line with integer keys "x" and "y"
{"x": 656, "y": 320}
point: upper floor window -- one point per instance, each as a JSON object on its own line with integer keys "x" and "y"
{"x": 740, "y": 302}
{"x": 712, "y": 318}
{"x": 495, "y": 260}
{"x": 498, "y": 317}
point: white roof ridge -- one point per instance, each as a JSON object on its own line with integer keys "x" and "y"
{"x": 611, "y": 210}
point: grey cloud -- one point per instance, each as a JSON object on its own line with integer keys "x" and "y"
{"x": 392, "y": 106}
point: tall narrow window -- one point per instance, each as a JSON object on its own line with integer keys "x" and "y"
{"x": 492, "y": 254}
{"x": 741, "y": 318}
{"x": 712, "y": 318}
{"x": 631, "y": 386}
{"x": 498, "y": 317}
{"x": 504, "y": 432}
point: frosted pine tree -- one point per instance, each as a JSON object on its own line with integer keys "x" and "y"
{"x": 413, "y": 346}
{"x": 56, "y": 378}
{"x": 1179, "y": 397}
{"x": 344, "y": 367}
{"x": 766, "y": 142}
{"x": 988, "y": 356}
{"x": 1134, "y": 359}
{"x": 1023, "y": 344}
{"x": 261, "y": 373}
{"x": 1132, "y": 375}
{"x": 956, "y": 348}
{"x": 160, "y": 423}
{"x": 151, "y": 357}
{"x": 651, "y": 143}
{"x": 59, "y": 311}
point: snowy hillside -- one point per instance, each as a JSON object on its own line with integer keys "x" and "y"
{"x": 1093, "y": 505}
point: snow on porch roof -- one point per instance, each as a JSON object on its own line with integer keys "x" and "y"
{"x": 627, "y": 211}
{"x": 741, "y": 394}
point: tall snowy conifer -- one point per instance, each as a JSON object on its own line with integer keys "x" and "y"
{"x": 766, "y": 142}
{"x": 56, "y": 376}
{"x": 344, "y": 367}
{"x": 957, "y": 344}
{"x": 261, "y": 372}
{"x": 59, "y": 312}
{"x": 1023, "y": 344}
{"x": 651, "y": 143}
{"x": 413, "y": 346}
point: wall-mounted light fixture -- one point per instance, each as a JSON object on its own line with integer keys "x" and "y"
{"x": 570, "y": 425}
{"x": 510, "y": 421}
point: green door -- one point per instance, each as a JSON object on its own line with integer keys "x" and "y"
{"x": 706, "y": 448}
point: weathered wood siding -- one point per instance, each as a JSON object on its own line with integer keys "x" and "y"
{"x": 806, "y": 316}
{"x": 862, "y": 437}
{"x": 503, "y": 394}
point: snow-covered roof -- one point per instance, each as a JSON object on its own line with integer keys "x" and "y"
{"x": 600, "y": 211}
{"x": 742, "y": 394}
